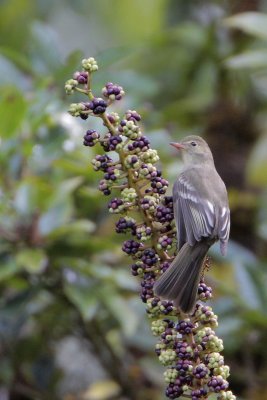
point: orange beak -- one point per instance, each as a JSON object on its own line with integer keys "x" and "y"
{"x": 178, "y": 146}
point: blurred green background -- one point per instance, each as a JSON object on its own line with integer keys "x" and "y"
{"x": 72, "y": 325}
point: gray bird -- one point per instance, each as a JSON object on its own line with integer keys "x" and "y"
{"x": 202, "y": 217}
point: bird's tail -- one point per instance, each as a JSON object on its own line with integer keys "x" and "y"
{"x": 180, "y": 281}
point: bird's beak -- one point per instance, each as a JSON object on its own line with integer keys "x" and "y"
{"x": 178, "y": 146}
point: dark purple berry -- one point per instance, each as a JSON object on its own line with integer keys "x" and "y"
{"x": 174, "y": 390}
{"x": 103, "y": 187}
{"x": 132, "y": 116}
{"x": 164, "y": 214}
{"x": 182, "y": 350}
{"x": 131, "y": 246}
{"x": 164, "y": 266}
{"x": 81, "y": 77}
{"x": 124, "y": 225}
{"x": 166, "y": 307}
{"x": 185, "y": 327}
{"x": 217, "y": 384}
{"x": 115, "y": 203}
{"x": 201, "y": 371}
{"x": 141, "y": 144}
{"x": 199, "y": 394}
{"x": 159, "y": 185}
{"x": 90, "y": 138}
{"x": 204, "y": 291}
{"x": 147, "y": 289}
{"x": 114, "y": 141}
{"x": 101, "y": 162}
{"x": 149, "y": 257}
{"x": 98, "y": 105}
{"x": 114, "y": 92}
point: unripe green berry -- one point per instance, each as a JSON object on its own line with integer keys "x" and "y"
{"x": 214, "y": 360}
{"x": 150, "y": 156}
{"x": 224, "y": 371}
{"x": 75, "y": 109}
{"x": 167, "y": 356}
{"x": 89, "y": 64}
{"x": 129, "y": 195}
{"x": 70, "y": 85}
{"x": 170, "y": 375}
{"x": 158, "y": 327}
{"x": 226, "y": 395}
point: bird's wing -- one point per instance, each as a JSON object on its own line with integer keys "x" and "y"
{"x": 194, "y": 215}
{"x": 223, "y": 228}
{"x": 178, "y": 216}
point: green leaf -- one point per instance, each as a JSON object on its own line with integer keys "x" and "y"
{"x": 9, "y": 74}
{"x": 65, "y": 188}
{"x": 76, "y": 227}
{"x": 252, "y": 23}
{"x": 84, "y": 298}
{"x": 257, "y": 164}
{"x": 17, "y": 58}
{"x": 126, "y": 315}
{"x": 12, "y": 110}
{"x": 33, "y": 260}
{"x": 45, "y": 46}
{"x": 8, "y": 269}
{"x": 54, "y": 218}
{"x": 249, "y": 60}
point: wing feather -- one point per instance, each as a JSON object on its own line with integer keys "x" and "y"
{"x": 197, "y": 213}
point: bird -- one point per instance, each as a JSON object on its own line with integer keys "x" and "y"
{"x": 202, "y": 217}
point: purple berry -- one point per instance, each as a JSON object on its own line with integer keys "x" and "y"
{"x": 113, "y": 92}
{"x": 131, "y": 246}
{"x": 132, "y": 116}
{"x": 124, "y": 225}
{"x": 90, "y": 138}
{"x": 164, "y": 214}
{"x": 81, "y": 77}
{"x": 98, "y": 105}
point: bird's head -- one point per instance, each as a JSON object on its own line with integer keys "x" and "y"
{"x": 194, "y": 150}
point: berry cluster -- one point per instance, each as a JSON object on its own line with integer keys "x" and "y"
{"x": 113, "y": 92}
{"x": 189, "y": 346}
{"x": 131, "y": 247}
{"x": 90, "y": 138}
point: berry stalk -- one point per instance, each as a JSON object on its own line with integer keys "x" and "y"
{"x": 187, "y": 344}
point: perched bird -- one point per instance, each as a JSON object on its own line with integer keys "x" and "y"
{"x": 202, "y": 217}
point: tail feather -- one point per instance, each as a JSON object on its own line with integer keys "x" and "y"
{"x": 180, "y": 281}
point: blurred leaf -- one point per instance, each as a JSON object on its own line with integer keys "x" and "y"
{"x": 54, "y": 218}
{"x": 7, "y": 269}
{"x": 84, "y": 298}
{"x": 32, "y": 195}
{"x": 9, "y": 74}
{"x": 46, "y": 57}
{"x": 19, "y": 59}
{"x": 12, "y": 110}
{"x": 60, "y": 210}
{"x": 65, "y": 188}
{"x": 247, "y": 290}
{"x": 250, "y": 59}
{"x": 255, "y": 318}
{"x": 79, "y": 226}
{"x": 253, "y": 23}
{"x": 102, "y": 390}
{"x": 121, "y": 310}
{"x": 33, "y": 260}
{"x": 257, "y": 163}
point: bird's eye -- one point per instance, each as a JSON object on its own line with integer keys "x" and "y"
{"x": 193, "y": 143}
